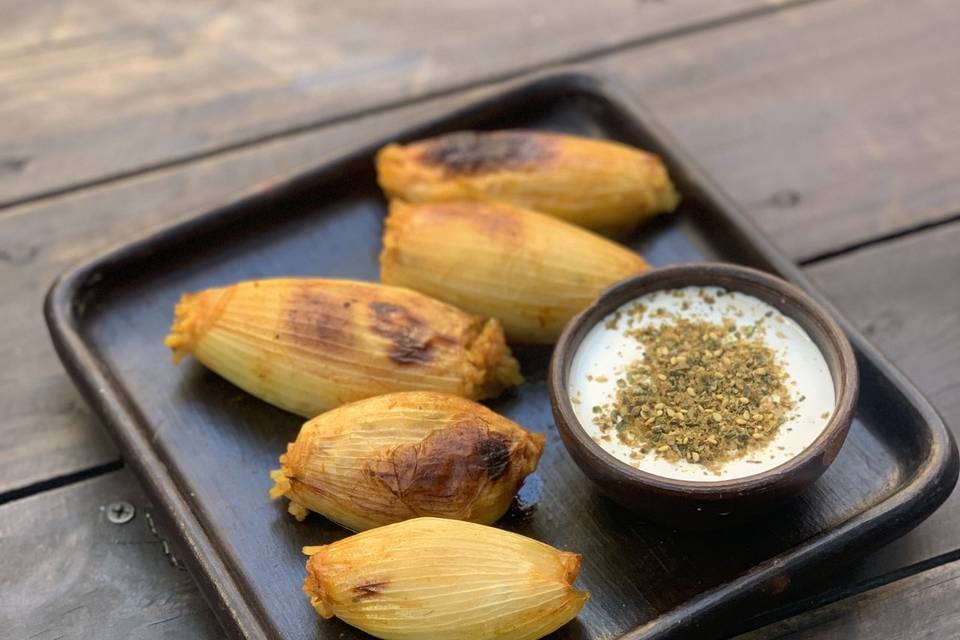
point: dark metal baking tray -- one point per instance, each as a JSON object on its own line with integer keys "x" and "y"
{"x": 203, "y": 448}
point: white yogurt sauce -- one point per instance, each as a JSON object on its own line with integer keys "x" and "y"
{"x": 605, "y": 352}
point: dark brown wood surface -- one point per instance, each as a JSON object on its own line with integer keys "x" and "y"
{"x": 832, "y": 122}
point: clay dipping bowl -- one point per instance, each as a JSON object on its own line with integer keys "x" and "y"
{"x": 693, "y": 504}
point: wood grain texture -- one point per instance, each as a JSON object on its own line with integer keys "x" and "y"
{"x": 793, "y": 111}
{"x": 924, "y": 606}
{"x": 830, "y": 123}
{"x": 905, "y": 297}
{"x": 66, "y": 571}
{"x": 91, "y": 89}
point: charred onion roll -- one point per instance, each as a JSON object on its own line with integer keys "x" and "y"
{"x": 436, "y": 579}
{"x": 604, "y": 186}
{"x": 530, "y": 271}
{"x": 308, "y": 345}
{"x": 403, "y": 455}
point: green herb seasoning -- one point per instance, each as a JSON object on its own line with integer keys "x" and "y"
{"x": 703, "y": 392}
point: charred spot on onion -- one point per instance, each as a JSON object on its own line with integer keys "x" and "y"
{"x": 479, "y": 152}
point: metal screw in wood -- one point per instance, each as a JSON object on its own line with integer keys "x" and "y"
{"x": 120, "y": 512}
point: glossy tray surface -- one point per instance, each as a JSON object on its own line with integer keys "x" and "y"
{"x": 203, "y": 448}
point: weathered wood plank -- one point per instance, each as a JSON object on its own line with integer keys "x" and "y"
{"x": 66, "y": 571}
{"x": 925, "y": 606}
{"x": 793, "y": 112}
{"x": 905, "y": 296}
{"x": 95, "y": 89}
{"x": 830, "y": 124}
{"x": 64, "y": 567}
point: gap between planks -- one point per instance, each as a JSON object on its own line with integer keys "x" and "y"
{"x": 833, "y": 596}
{"x": 878, "y": 240}
{"x": 58, "y": 482}
{"x": 884, "y": 607}
{"x": 555, "y": 64}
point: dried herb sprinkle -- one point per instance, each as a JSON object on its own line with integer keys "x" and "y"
{"x": 704, "y": 392}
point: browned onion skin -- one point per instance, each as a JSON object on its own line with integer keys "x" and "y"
{"x": 310, "y": 344}
{"x": 437, "y": 579}
{"x": 403, "y": 455}
{"x": 598, "y": 184}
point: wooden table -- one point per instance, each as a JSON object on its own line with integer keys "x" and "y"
{"x": 834, "y": 123}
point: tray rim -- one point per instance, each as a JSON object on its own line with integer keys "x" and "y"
{"x": 930, "y": 485}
